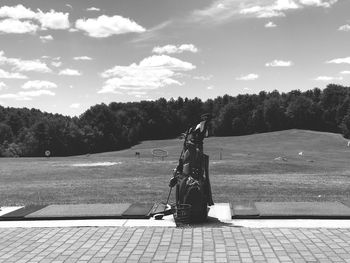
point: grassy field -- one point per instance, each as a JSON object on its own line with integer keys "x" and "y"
{"x": 247, "y": 171}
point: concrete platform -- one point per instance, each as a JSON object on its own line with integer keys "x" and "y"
{"x": 302, "y": 210}
{"x": 80, "y": 211}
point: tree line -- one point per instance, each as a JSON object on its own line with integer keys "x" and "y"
{"x": 30, "y": 132}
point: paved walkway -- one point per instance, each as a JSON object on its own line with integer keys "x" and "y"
{"x": 167, "y": 244}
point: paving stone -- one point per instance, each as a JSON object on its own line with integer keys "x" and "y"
{"x": 142, "y": 244}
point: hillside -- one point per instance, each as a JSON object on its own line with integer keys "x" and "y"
{"x": 247, "y": 171}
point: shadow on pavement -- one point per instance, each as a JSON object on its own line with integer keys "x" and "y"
{"x": 211, "y": 222}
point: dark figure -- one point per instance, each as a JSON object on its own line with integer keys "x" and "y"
{"x": 191, "y": 176}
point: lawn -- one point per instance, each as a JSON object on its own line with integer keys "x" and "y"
{"x": 261, "y": 167}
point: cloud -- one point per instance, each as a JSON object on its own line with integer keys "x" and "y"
{"x": 328, "y": 78}
{"x": 70, "y": 72}
{"x": 345, "y": 72}
{"x": 17, "y": 12}
{"x": 75, "y": 105}
{"x": 93, "y": 9}
{"x": 274, "y": 10}
{"x": 221, "y": 11}
{"x": 53, "y": 20}
{"x": 279, "y": 63}
{"x": 49, "y": 20}
{"x": 46, "y": 38}
{"x": 30, "y": 65}
{"x": 39, "y": 84}
{"x": 152, "y": 33}
{"x": 339, "y": 61}
{"x": 2, "y": 85}
{"x": 24, "y": 65}
{"x": 250, "y": 76}
{"x": 171, "y": 49}
{"x": 270, "y": 25}
{"x": 11, "y": 75}
{"x": 345, "y": 28}
{"x": 210, "y": 87}
{"x": 209, "y": 77}
{"x": 137, "y": 94}
{"x": 106, "y": 26}
{"x": 56, "y": 64}
{"x": 13, "y": 26}
{"x": 151, "y": 73}
{"x": 82, "y": 58}
{"x": 319, "y": 3}
{"x": 27, "y": 95}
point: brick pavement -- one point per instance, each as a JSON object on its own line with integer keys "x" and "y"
{"x": 162, "y": 244}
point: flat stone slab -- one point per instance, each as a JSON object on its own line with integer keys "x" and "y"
{"x": 80, "y": 211}
{"x": 347, "y": 203}
{"x": 8, "y": 209}
{"x": 22, "y": 212}
{"x": 221, "y": 211}
{"x": 302, "y": 210}
{"x": 246, "y": 210}
{"x": 138, "y": 211}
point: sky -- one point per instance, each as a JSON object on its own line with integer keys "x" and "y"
{"x": 66, "y": 56}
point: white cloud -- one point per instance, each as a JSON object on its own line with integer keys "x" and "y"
{"x": 82, "y": 58}
{"x": 267, "y": 11}
{"x": 93, "y": 9}
{"x": 250, "y": 76}
{"x": 151, "y": 73}
{"x": 270, "y": 25}
{"x": 11, "y": 75}
{"x": 70, "y": 72}
{"x": 13, "y": 26}
{"x": 72, "y": 30}
{"x": 2, "y": 85}
{"x": 137, "y": 94}
{"x": 339, "y": 61}
{"x": 27, "y": 95}
{"x": 49, "y": 20}
{"x": 279, "y": 63}
{"x": 320, "y": 3}
{"x": 29, "y": 65}
{"x": 75, "y": 105}
{"x": 345, "y": 72}
{"x": 106, "y": 26}
{"x": 24, "y": 65}
{"x": 209, "y": 77}
{"x": 171, "y": 49}
{"x": 36, "y": 93}
{"x": 46, "y": 38}
{"x": 56, "y": 64}
{"x": 39, "y": 84}
{"x": 152, "y": 33}
{"x": 345, "y": 28}
{"x": 328, "y": 78}
{"x": 17, "y": 12}
{"x": 53, "y": 20}
{"x": 210, "y": 87}
{"x": 224, "y": 10}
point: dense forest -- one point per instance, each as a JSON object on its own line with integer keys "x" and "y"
{"x": 30, "y": 132}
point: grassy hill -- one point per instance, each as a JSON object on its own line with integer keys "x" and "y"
{"x": 287, "y": 165}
